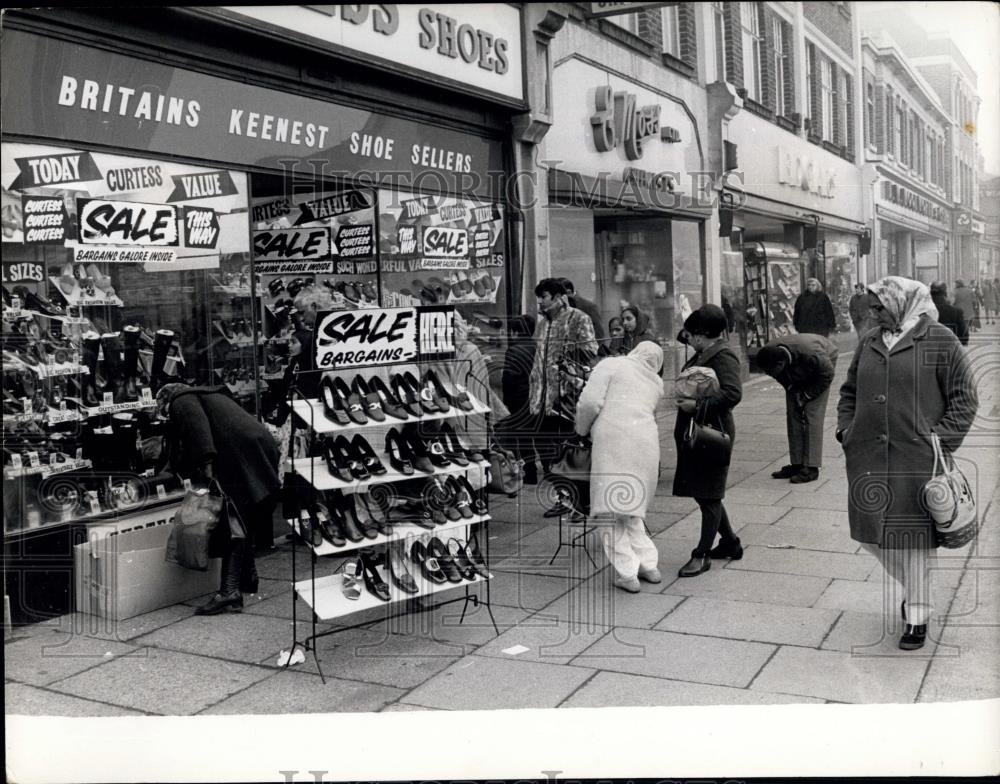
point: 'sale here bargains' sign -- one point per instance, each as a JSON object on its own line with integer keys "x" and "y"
{"x": 385, "y": 336}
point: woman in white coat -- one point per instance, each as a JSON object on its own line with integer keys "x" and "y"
{"x": 616, "y": 409}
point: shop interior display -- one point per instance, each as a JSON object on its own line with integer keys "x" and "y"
{"x": 390, "y": 480}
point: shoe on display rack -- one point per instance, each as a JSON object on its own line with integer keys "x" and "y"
{"x": 352, "y": 402}
{"x": 429, "y": 567}
{"x": 396, "y": 566}
{"x": 374, "y": 583}
{"x": 438, "y": 551}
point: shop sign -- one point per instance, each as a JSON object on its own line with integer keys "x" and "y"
{"x": 303, "y": 244}
{"x": 115, "y": 254}
{"x": 331, "y": 206}
{"x": 445, "y": 242}
{"x": 599, "y": 10}
{"x": 54, "y": 170}
{"x": 804, "y": 172}
{"x": 384, "y": 336}
{"x": 49, "y": 90}
{"x": 355, "y": 240}
{"x": 104, "y": 222}
{"x": 903, "y": 197}
{"x": 619, "y": 122}
{"x": 475, "y": 46}
{"x": 968, "y": 225}
{"x": 45, "y": 219}
{"x": 204, "y": 185}
{"x": 201, "y": 227}
{"x": 21, "y": 272}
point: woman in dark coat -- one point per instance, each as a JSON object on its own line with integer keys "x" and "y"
{"x": 908, "y": 380}
{"x": 637, "y": 329}
{"x": 814, "y": 311}
{"x": 211, "y": 437}
{"x": 705, "y": 331}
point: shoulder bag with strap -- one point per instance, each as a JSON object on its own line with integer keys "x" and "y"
{"x": 709, "y": 444}
{"x": 949, "y": 501}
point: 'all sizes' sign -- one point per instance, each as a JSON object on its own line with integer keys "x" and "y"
{"x": 384, "y": 336}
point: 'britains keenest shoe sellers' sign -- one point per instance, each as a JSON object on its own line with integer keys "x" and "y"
{"x": 384, "y": 336}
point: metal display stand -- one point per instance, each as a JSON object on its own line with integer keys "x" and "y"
{"x": 324, "y": 595}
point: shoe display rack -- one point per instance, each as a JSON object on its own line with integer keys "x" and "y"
{"x": 405, "y": 518}
{"x": 235, "y": 332}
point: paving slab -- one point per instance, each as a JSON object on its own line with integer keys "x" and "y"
{"x": 527, "y": 591}
{"x": 743, "y": 514}
{"x": 750, "y": 621}
{"x": 861, "y": 596}
{"x": 614, "y": 689}
{"x": 842, "y": 677}
{"x": 42, "y": 659}
{"x": 750, "y": 492}
{"x": 555, "y": 643}
{"x": 107, "y": 628}
{"x": 973, "y": 674}
{"x": 805, "y": 499}
{"x": 489, "y": 683}
{"x": 805, "y": 562}
{"x": 376, "y": 657}
{"x": 23, "y": 700}
{"x": 597, "y": 603}
{"x": 819, "y": 520}
{"x": 683, "y": 657}
{"x": 165, "y": 682}
{"x": 293, "y": 691}
{"x": 788, "y": 590}
{"x": 800, "y": 538}
{"x": 867, "y": 634}
{"x": 445, "y": 624}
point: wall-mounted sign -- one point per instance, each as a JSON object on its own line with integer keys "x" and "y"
{"x": 445, "y": 242}
{"x": 384, "y": 336}
{"x": 22, "y": 271}
{"x": 968, "y": 225}
{"x": 475, "y": 46}
{"x": 907, "y": 199}
{"x": 355, "y": 240}
{"x": 105, "y": 222}
{"x": 806, "y": 173}
{"x": 618, "y": 121}
{"x": 54, "y": 170}
{"x": 304, "y": 244}
{"x": 598, "y": 10}
{"x": 45, "y": 219}
{"x": 201, "y": 227}
{"x": 203, "y": 185}
{"x": 50, "y": 90}
{"x": 331, "y": 206}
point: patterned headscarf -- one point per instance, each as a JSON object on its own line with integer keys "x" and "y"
{"x": 907, "y": 300}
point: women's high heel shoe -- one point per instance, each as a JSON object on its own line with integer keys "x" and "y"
{"x": 390, "y": 403}
{"x": 454, "y": 392}
{"x": 374, "y": 583}
{"x": 459, "y": 444}
{"x": 359, "y": 512}
{"x": 310, "y": 531}
{"x": 400, "y": 456}
{"x": 344, "y": 524}
{"x": 443, "y": 557}
{"x": 362, "y": 449}
{"x": 479, "y": 505}
{"x": 418, "y": 452}
{"x": 431, "y": 383}
{"x": 326, "y": 526}
{"x": 914, "y": 637}
{"x": 475, "y": 555}
{"x": 400, "y": 574}
{"x": 336, "y": 462}
{"x": 446, "y": 436}
{"x": 376, "y": 513}
{"x": 354, "y": 461}
{"x": 333, "y": 408}
{"x": 409, "y": 398}
{"x": 429, "y": 567}
{"x": 463, "y": 500}
{"x": 350, "y": 580}
{"x": 355, "y": 411}
{"x": 369, "y": 399}
{"x": 461, "y": 560}
{"x": 441, "y": 499}
{"x": 422, "y": 393}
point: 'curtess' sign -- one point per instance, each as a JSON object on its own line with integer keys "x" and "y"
{"x": 471, "y": 45}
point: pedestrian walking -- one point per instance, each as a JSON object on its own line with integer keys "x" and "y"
{"x": 705, "y": 331}
{"x": 948, "y": 315}
{"x": 990, "y": 295}
{"x": 813, "y": 311}
{"x": 562, "y": 332}
{"x": 210, "y": 437}
{"x": 964, "y": 298}
{"x": 616, "y": 409}
{"x": 637, "y": 328}
{"x": 804, "y": 365}
{"x": 908, "y": 380}
{"x": 977, "y": 306}
{"x": 858, "y": 308}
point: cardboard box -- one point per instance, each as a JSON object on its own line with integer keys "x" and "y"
{"x": 120, "y": 572}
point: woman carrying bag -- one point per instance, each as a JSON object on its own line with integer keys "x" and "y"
{"x": 908, "y": 386}
{"x": 616, "y": 408}
{"x": 699, "y": 475}
{"x": 210, "y": 437}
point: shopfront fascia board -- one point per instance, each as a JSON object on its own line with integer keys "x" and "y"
{"x": 70, "y": 93}
{"x": 908, "y": 222}
{"x": 787, "y": 213}
{"x": 602, "y": 10}
{"x": 583, "y": 190}
{"x": 473, "y": 48}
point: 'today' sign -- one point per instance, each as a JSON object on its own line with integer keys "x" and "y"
{"x": 384, "y": 336}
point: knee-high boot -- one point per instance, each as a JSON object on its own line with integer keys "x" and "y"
{"x": 161, "y": 348}
{"x": 130, "y": 367}
{"x": 229, "y": 597}
{"x": 113, "y": 363}
{"x": 91, "y": 347}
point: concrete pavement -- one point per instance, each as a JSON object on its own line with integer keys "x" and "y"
{"x": 804, "y": 617}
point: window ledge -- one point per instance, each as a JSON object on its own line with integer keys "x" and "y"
{"x": 682, "y": 67}
{"x": 758, "y": 108}
{"x": 788, "y": 123}
{"x": 625, "y": 37}
{"x": 831, "y": 147}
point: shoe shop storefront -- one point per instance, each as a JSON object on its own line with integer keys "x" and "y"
{"x": 183, "y": 191}
{"x": 626, "y": 223}
{"x": 796, "y": 213}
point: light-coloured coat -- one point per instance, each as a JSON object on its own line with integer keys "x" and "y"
{"x": 617, "y": 409}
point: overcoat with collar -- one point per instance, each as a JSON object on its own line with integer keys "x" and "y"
{"x": 889, "y": 405}
{"x": 694, "y": 478}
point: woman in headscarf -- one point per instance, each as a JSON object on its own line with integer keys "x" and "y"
{"x": 908, "y": 381}
{"x": 814, "y": 311}
{"x": 611, "y": 346}
{"x": 637, "y": 329}
{"x": 616, "y": 408}
{"x": 705, "y": 331}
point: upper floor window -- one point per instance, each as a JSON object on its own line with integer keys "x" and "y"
{"x": 750, "y": 24}
{"x": 671, "y": 30}
{"x": 826, "y": 88}
{"x": 781, "y": 72}
{"x": 869, "y": 113}
{"x": 897, "y": 133}
{"x": 719, "y": 33}
{"x": 842, "y": 95}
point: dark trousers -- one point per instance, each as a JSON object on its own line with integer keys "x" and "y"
{"x": 714, "y": 520}
{"x": 805, "y": 429}
{"x": 258, "y": 520}
{"x": 549, "y": 434}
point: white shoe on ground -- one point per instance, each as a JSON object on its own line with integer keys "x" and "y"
{"x": 630, "y": 584}
{"x": 650, "y": 575}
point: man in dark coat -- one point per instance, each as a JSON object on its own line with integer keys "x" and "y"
{"x": 804, "y": 365}
{"x": 965, "y": 299}
{"x": 948, "y": 315}
{"x": 588, "y": 307}
{"x": 212, "y": 437}
{"x": 858, "y": 307}
{"x": 814, "y": 311}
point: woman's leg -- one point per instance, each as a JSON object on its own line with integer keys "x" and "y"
{"x": 618, "y": 549}
{"x": 916, "y": 584}
{"x": 712, "y": 512}
{"x": 643, "y": 547}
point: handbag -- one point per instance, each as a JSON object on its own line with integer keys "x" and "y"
{"x": 708, "y": 444}
{"x": 506, "y": 472}
{"x": 950, "y": 502}
{"x": 192, "y": 527}
{"x": 574, "y": 459}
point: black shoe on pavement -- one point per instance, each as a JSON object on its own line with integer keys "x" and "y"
{"x": 787, "y": 471}
{"x": 227, "y": 602}
{"x": 913, "y": 637}
{"x": 807, "y": 474}
{"x": 731, "y": 550}
{"x": 697, "y": 565}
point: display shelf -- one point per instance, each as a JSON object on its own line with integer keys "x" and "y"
{"x": 314, "y": 470}
{"x": 311, "y": 412}
{"x": 401, "y": 531}
{"x": 118, "y": 408}
{"x": 328, "y": 601}
{"x": 46, "y": 470}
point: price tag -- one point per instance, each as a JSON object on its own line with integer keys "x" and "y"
{"x": 15, "y": 461}
{"x": 161, "y": 492}
{"x": 33, "y": 460}
{"x": 146, "y": 396}
{"x": 62, "y": 405}
{"x": 187, "y": 484}
{"x": 108, "y": 399}
{"x": 79, "y": 453}
{"x": 53, "y": 458}
{"x": 28, "y": 408}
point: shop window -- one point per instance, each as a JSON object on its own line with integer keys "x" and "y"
{"x": 840, "y": 270}
{"x": 751, "y": 41}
